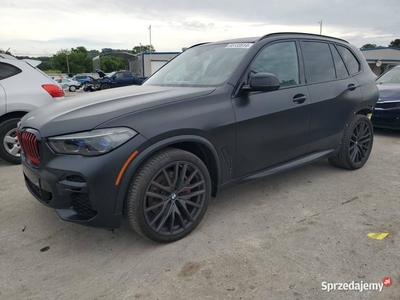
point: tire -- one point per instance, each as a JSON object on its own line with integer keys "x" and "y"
{"x": 356, "y": 144}
{"x": 72, "y": 88}
{"x": 105, "y": 86}
{"x": 172, "y": 214}
{"x": 7, "y": 145}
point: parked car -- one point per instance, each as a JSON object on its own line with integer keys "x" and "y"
{"x": 387, "y": 110}
{"x": 82, "y": 78}
{"x": 217, "y": 115}
{"x": 23, "y": 87}
{"x": 69, "y": 84}
{"x": 118, "y": 79}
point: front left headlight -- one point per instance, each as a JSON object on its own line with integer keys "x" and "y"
{"x": 91, "y": 143}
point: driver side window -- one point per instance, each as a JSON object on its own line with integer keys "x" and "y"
{"x": 281, "y": 60}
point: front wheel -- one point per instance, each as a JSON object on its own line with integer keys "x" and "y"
{"x": 168, "y": 196}
{"x": 356, "y": 144}
{"x": 105, "y": 86}
{"x": 10, "y": 150}
{"x": 72, "y": 88}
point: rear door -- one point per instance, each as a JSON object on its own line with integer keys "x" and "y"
{"x": 333, "y": 91}
{"x": 273, "y": 127}
{"x": 2, "y": 101}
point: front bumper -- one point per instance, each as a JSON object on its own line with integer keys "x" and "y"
{"x": 386, "y": 118}
{"x": 81, "y": 189}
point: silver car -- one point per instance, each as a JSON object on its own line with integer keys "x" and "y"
{"x": 23, "y": 87}
{"x": 69, "y": 84}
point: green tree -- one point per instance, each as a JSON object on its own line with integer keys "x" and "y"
{"x": 112, "y": 63}
{"x": 76, "y": 59}
{"x": 395, "y": 43}
{"x": 143, "y": 48}
{"x": 369, "y": 46}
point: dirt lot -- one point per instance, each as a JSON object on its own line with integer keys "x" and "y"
{"x": 278, "y": 238}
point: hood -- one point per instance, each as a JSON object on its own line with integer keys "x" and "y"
{"x": 83, "y": 113}
{"x": 101, "y": 73}
{"x": 388, "y": 91}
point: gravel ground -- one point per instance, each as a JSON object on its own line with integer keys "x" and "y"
{"x": 277, "y": 238}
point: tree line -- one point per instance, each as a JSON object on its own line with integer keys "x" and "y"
{"x": 395, "y": 43}
{"x": 80, "y": 60}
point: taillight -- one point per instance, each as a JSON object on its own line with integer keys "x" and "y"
{"x": 54, "y": 90}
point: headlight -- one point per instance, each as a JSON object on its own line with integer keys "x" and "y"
{"x": 95, "y": 142}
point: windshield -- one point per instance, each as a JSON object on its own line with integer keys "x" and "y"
{"x": 392, "y": 76}
{"x": 207, "y": 65}
{"x": 109, "y": 75}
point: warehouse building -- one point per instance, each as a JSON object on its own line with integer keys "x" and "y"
{"x": 382, "y": 59}
{"x": 142, "y": 64}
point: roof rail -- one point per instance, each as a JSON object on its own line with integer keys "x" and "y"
{"x": 301, "y": 33}
{"x": 199, "y": 44}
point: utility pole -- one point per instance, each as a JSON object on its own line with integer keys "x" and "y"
{"x": 67, "y": 64}
{"x": 320, "y": 27}
{"x": 150, "y": 47}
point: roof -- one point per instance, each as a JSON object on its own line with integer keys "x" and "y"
{"x": 384, "y": 54}
{"x": 126, "y": 55}
{"x": 380, "y": 48}
{"x": 256, "y": 39}
{"x": 7, "y": 56}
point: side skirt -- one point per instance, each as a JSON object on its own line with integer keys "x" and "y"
{"x": 277, "y": 169}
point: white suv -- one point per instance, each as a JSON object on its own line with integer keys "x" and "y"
{"x": 23, "y": 88}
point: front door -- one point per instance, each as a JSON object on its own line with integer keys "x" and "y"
{"x": 273, "y": 127}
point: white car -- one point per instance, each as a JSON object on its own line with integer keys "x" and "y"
{"x": 69, "y": 84}
{"x": 23, "y": 88}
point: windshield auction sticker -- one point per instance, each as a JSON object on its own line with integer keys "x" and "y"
{"x": 239, "y": 45}
{"x": 356, "y": 286}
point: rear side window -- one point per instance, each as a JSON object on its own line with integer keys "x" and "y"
{"x": 318, "y": 62}
{"x": 341, "y": 71}
{"x": 7, "y": 70}
{"x": 352, "y": 63}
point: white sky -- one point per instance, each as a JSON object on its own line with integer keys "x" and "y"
{"x": 42, "y": 27}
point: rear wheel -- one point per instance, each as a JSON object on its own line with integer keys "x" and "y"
{"x": 356, "y": 144}
{"x": 10, "y": 150}
{"x": 168, "y": 196}
{"x": 105, "y": 86}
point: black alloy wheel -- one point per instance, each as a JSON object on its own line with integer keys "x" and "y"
{"x": 169, "y": 196}
{"x": 360, "y": 142}
{"x": 356, "y": 145}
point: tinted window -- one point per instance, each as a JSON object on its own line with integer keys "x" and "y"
{"x": 128, "y": 75}
{"x": 281, "y": 60}
{"x": 351, "y": 62}
{"x": 318, "y": 62}
{"x": 120, "y": 75}
{"x": 7, "y": 70}
{"x": 340, "y": 67}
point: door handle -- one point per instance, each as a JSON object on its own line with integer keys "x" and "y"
{"x": 351, "y": 87}
{"x": 299, "y": 98}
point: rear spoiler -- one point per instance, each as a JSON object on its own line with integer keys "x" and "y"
{"x": 33, "y": 62}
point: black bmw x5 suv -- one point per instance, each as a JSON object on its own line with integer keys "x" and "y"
{"x": 217, "y": 115}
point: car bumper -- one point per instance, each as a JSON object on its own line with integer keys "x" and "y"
{"x": 81, "y": 189}
{"x": 386, "y": 118}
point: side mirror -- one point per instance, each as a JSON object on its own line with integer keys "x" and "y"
{"x": 114, "y": 77}
{"x": 263, "y": 82}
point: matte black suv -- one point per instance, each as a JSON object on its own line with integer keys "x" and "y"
{"x": 217, "y": 115}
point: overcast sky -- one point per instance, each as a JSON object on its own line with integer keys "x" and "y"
{"x": 42, "y": 27}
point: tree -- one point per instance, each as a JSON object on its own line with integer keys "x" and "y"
{"x": 369, "y": 46}
{"x": 143, "y": 48}
{"x": 395, "y": 43}
{"x": 77, "y": 60}
{"x": 112, "y": 63}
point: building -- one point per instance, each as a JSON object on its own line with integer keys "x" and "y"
{"x": 382, "y": 59}
{"x": 147, "y": 63}
{"x": 142, "y": 64}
